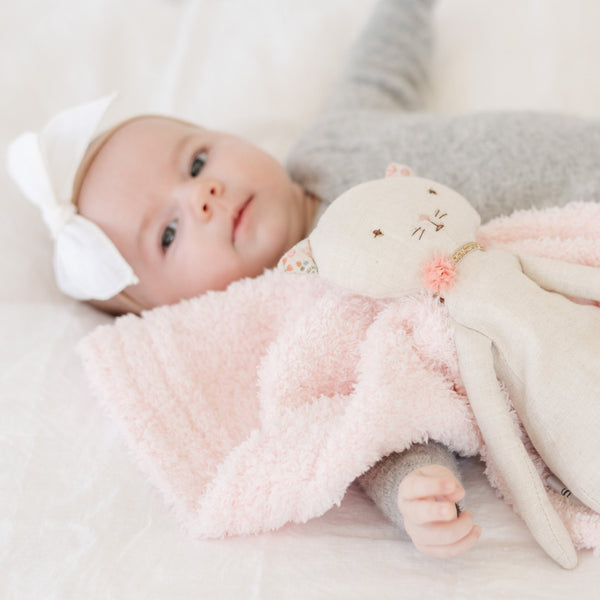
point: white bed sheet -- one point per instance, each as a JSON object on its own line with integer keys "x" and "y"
{"x": 77, "y": 519}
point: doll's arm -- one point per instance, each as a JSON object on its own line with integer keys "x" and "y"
{"x": 506, "y": 448}
{"x": 571, "y": 279}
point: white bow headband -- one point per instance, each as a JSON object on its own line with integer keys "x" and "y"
{"x": 87, "y": 265}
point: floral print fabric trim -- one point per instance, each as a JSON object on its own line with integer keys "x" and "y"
{"x": 298, "y": 260}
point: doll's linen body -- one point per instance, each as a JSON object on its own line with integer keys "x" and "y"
{"x": 547, "y": 353}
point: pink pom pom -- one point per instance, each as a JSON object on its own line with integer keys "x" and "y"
{"x": 439, "y": 273}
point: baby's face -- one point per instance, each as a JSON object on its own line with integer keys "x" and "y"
{"x": 190, "y": 209}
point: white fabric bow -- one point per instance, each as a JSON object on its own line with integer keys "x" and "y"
{"x": 87, "y": 265}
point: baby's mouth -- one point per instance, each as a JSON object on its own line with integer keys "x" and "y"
{"x": 239, "y": 217}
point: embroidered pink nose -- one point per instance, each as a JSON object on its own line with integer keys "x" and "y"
{"x": 424, "y": 218}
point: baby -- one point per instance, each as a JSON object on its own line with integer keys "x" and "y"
{"x": 191, "y": 209}
{"x": 178, "y": 209}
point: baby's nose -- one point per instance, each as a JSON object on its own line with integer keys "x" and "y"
{"x": 207, "y": 198}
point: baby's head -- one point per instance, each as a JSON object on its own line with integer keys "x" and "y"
{"x": 189, "y": 209}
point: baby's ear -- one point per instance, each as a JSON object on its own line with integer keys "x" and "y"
{"x": 397, "y": 169}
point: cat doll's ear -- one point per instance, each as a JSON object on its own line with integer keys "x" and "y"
{"x": 395, "y": 169}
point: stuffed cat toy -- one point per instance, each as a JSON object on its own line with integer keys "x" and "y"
{"x": 514, "y": 328}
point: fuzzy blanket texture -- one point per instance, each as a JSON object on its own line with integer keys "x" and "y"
{"x": 260, "y": 405}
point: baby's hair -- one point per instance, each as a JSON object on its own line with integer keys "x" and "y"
{"x": 119, "y": 305}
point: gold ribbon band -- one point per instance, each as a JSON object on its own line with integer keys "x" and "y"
{"x": 464, "y": 250}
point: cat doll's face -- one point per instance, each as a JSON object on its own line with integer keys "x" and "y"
{"x": 376, "y": 238}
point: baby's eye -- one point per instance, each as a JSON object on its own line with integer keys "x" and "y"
{"x": 168, "y": 235}
{"x": 198, "y": 163}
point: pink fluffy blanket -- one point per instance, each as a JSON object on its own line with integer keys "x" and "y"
{"x": 259, "y": 405}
